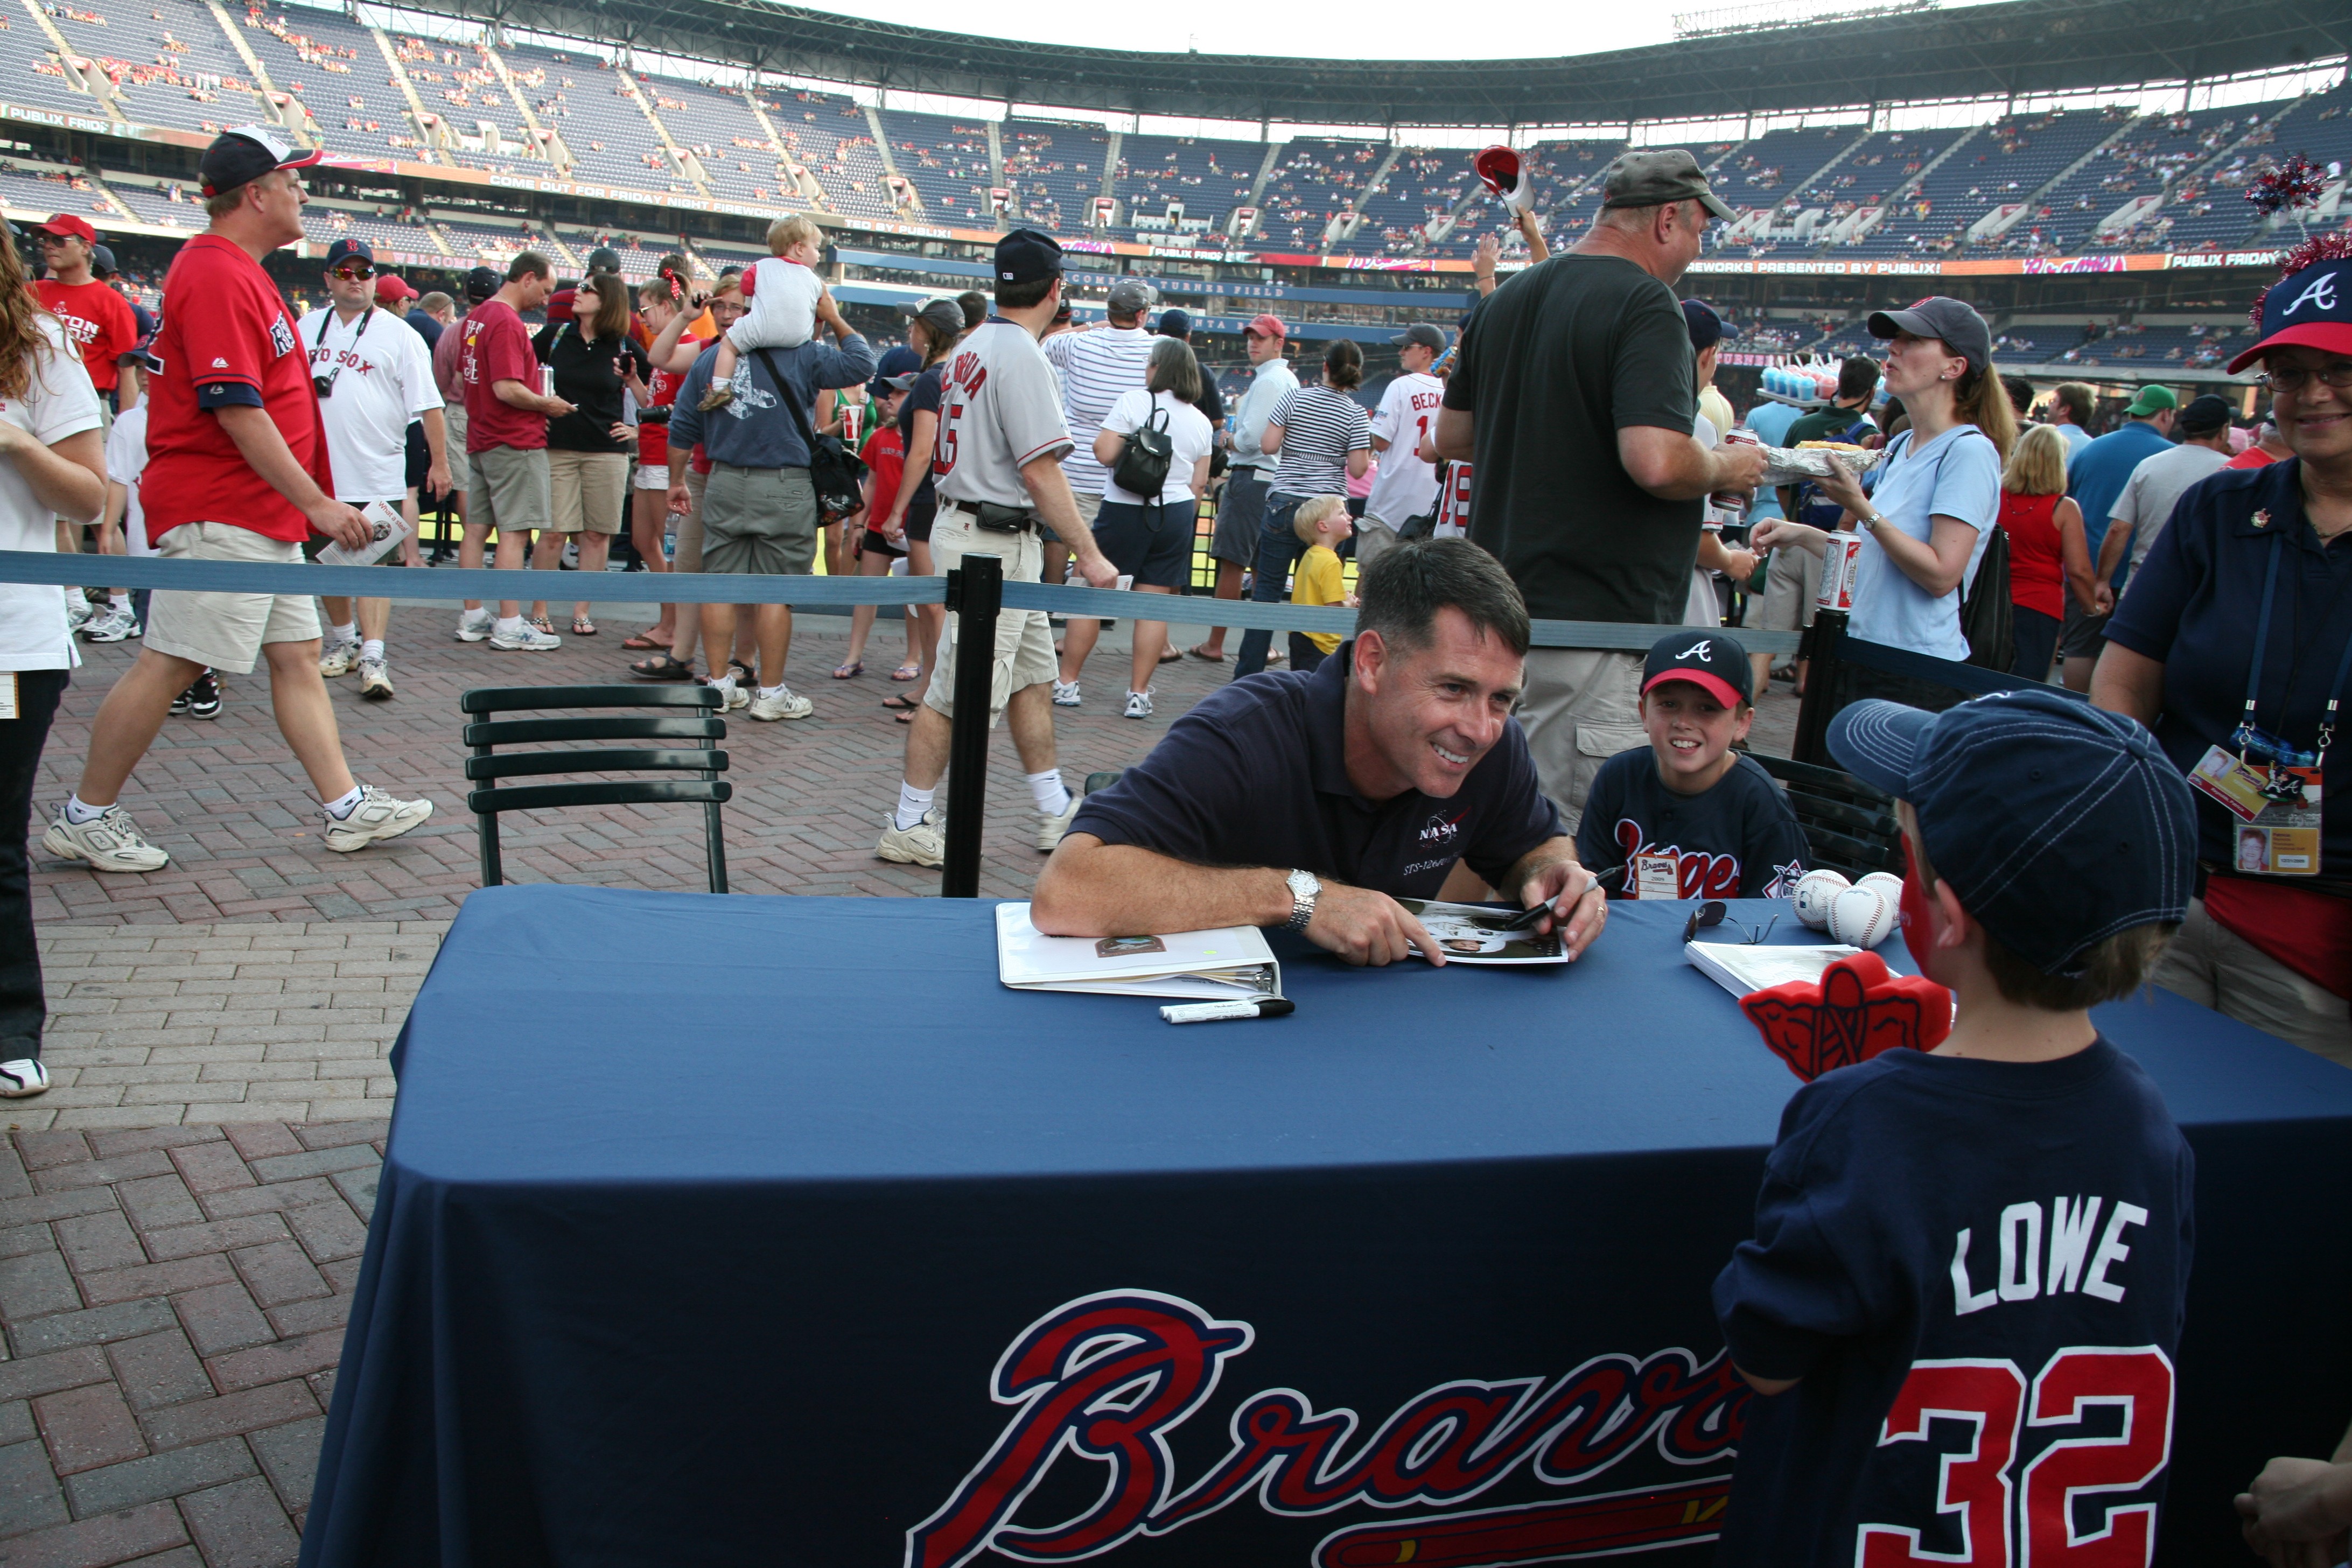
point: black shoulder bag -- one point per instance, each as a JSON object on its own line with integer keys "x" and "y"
{"x": 834, "y": 469}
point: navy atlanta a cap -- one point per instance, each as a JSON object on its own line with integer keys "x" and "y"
{"x": 1708, "y": 659}
{"x": 2057, "y": 823}
{"x": 1024, "y": 256}
{"x": 2313, "y": 307}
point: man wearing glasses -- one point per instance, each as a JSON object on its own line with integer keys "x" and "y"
{"x": 374, "y": 377}
{"x": 234, "y": 443}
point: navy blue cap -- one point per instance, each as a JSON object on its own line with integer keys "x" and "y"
{"x": 101, "y": 261}
{"x": 481, "y": 283}
{"x": 1175, "y": 323}
{"x": 2058, "y": 824}
{"x": 342, "y": 250}
{"x": 243, "y": 154}
{"x": 1024, "y": 256}
{"x": 1715, "y": 661}
{"x": 894, "y": 363}
{"x": 2311, "y": 308}
{"x": 1705, "y": 326}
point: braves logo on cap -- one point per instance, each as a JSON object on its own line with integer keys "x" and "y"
{"x": 2319, "y": 292}
{"x": 1701, "y": 650}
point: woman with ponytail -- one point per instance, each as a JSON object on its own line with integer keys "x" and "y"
{"x": 1931, "y": 505}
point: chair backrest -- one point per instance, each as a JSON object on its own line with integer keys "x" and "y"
{"x": 696, "y": 730}
{"x": 1844, "y": 669}
{"x": 1850, "y": 827}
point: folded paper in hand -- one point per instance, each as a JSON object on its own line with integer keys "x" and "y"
{"x": 1227, "y": 966}
{"x": 386, "y": 528}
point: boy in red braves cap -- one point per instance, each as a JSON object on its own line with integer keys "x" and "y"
{"x": 1970, "y": 1264}
{"x": 1692, "y": 818}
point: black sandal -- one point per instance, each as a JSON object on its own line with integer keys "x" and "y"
{"x": 662, "y": 666}
{"x": 900, "y": 704}
{"x": 744, "y": 673}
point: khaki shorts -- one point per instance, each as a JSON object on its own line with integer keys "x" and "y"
{"x": 510, "y": 489}
{"x": 760, "y": 522}
{"x": 1024, "y": 644}
{"x": 687, "y": 555}
{"x": 1089, "y": 507}
{"x": 1791, "y": 582}
{"x": 227, "y": 631}
{"x": 454, "y": 442}
{"x": 1582, "y": 707}
{"x": 586, "y": 490}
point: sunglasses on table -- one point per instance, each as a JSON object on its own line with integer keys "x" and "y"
{"x": 1714, "y": 913}
{"x": 355, "y": 271}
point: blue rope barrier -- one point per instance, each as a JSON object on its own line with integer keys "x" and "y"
{"x": 820, "y": 595}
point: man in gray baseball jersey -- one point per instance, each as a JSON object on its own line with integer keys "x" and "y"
{"x": 996, "y": 466}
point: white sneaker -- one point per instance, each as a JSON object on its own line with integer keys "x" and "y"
{"x": 23, "y": 1078}
{"x": 108, "y": 842}
{"x": 79, "y": 608}
{"x": 375, "y": 680}
{"x": 921, "y": 845}
{"x": 1065, "y": 694}
{"x": 473, "y": 626}
{"x": 378, "y": 816}
{"x": 338, "y": 658}
{"x": 1139, "y": 705}
{"x": 111, "y": 625}
{"x": 731, "y": 696}
{"x": 524, "y": 638}
{"x": 1051, "y": 828}
{"x": 785, "y": 704}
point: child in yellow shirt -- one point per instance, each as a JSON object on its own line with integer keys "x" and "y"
{"x": 1321, "y": 523}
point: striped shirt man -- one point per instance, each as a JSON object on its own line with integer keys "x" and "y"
{"x": 1097, "y": 367}
{"x": 1320, "y": 425}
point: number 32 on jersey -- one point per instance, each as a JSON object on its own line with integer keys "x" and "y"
{"x": 2050, "y": 1514}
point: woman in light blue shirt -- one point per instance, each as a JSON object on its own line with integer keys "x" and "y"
{"x": 1931, "y": 505}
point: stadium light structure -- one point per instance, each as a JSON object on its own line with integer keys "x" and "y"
{"x": 2013, "y": 48}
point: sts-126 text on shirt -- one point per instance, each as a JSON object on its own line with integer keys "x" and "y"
{"x": 1976, "y": 1270}
{"x": 1256, "y": 774}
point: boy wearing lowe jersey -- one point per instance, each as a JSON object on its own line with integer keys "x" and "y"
{"x": 1967, "y": 1281}
{"x": 373, "y": 376}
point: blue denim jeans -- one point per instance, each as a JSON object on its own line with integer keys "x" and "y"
{"x": 1277, "y": 551}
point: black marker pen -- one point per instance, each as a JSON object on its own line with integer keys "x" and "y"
{"x": 1217, "y": 1011}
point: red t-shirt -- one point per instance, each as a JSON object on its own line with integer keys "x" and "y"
{"x": 885, "y": 455}
{"x": 98, "y": 320}
{"x": 2252, "y": 457}
{"x": 2035, "y": 568}
{"x": 496, "y": 347}
{"x": 653, "y": 440}
{"x": 227, "y": 338}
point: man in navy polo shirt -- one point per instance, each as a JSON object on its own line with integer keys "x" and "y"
{"x": 1317, "y": 799}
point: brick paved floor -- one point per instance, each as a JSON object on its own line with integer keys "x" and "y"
{"x": 227, "y": 801}
{"x": 173, "y": 1300}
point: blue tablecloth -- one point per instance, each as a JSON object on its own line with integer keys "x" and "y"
{"x": 775, "y": 1231}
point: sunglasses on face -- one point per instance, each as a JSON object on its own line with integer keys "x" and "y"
{"x": 353, "y": 273}
{"x": 1715, "y": 913}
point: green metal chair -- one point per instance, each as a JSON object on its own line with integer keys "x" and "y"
{"x": 698, "y": 754}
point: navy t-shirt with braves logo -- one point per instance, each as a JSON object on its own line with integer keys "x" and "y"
{"x": 1738, "y": 840}
{"x": 1976, "y": 1272}
{"x": 1256, "y": 774}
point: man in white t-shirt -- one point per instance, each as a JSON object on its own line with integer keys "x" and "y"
{"x": 373, "y": 375}
{"x": 1096, "y": 367}
{"x": 1406, "y": 487}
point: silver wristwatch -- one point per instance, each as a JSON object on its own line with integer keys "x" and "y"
{"x": 1305, "y": 889}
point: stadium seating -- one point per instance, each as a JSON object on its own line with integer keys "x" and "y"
{"x": 35, "y": 185}
{"x": 947, "y": 163}
{"x": 584, "y": 101}
{"x": 333, "y": 66}
{"x": 172, "y": 66}
{"x": 717, "y": 126}
{"x": 1313, "y": 181}
{"x": 1210, "y": 178}
{"x": 1056, "y": 170}
{"x": 2005, "y": 161}
{"x": 1422, "y": 186}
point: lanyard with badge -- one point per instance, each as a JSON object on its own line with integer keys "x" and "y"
{"x": 2270, "y": 787}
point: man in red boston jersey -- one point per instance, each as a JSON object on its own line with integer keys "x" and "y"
{"x": 236, "y": 470}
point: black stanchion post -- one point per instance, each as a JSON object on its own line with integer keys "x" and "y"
{"x": 975, "y": 597}
{"x": 1820, "y": 651}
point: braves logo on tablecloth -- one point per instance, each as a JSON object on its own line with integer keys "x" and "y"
{"x": 1107, "y": 1378}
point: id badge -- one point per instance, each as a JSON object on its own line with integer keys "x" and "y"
{"x": 2282, "y": 839}
{"x": 2225, "y": 777}
{"x": 1657, "y": 876}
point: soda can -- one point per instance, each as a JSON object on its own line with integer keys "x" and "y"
{"x": 1840, "y": 563}
{"x": 1728, "y": 507}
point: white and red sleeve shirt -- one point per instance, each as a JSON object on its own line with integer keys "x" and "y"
{"x": 227, "y": 340}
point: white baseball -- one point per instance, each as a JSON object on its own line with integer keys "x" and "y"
{"x": 1814, "y": 891}
{"x": 1861, "y": 917}
{"x": 1889, "y": 886}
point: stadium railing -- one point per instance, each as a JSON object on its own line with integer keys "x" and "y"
{"x": 977, "y": 593}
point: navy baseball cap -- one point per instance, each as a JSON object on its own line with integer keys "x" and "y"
{"x": 1175, "y": 323}
{"x": 1024, "y": 256}
{"x": 894, "y": 370}
{"x": 1705, "y": 326}
{"x": 481, "y": 283}
{"x": 101, "y": 261}
{"x": 1716, "y": 663}
{"x": 342, "y": 250}
{"x": 1954, "y": 321}
{"x": 1422, "y": 332}
{"x": 2058, "y": 824}
{"x": 243, "y": 154}
{"x": 2311, "y": 308}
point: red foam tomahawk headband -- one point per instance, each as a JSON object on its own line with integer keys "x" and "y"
{"x": 1857, "y": 1008}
